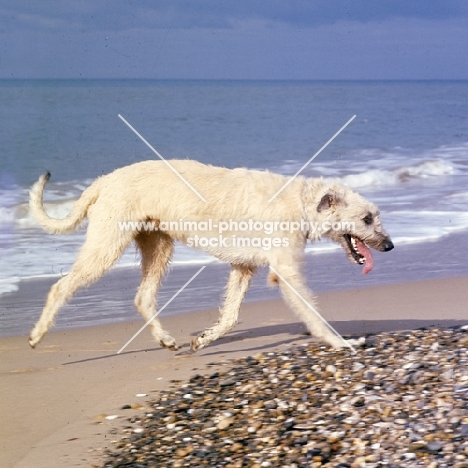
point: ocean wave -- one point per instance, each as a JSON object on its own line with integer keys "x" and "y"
{"x": 58, "y": 210}
{"x": 387, "y": 177}
{"x": 58, "y": 201}
{"x": 376, "y": 168}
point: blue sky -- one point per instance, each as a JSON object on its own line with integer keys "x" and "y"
{"x": 242, "y": 39}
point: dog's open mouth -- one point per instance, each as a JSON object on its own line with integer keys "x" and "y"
{"x": 360, "y": 252}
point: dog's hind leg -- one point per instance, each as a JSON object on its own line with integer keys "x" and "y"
{"x": 302, "y": 302}
{"x": 237, "y": 286}
{"x": 102, "y": 249}
{"x": 156, "y": 251}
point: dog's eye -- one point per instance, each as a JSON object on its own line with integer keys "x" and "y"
{"x": 368, "y": 219}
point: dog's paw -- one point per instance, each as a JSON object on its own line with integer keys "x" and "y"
{"x": 196, "y": 344}
{"x": 35, "y": 338}
{"x": 169, "y": 343}
{"x": 357, "y": 343}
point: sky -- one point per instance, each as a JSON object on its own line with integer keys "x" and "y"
{"x": 234, "y": 39}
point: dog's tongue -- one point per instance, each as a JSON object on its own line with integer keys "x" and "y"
{"x": 366, "y": 253}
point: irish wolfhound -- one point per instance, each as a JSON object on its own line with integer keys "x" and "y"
{"x": 148, "y": 203}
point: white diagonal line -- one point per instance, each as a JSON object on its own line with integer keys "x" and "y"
{"x": 162, "y": 159}
{"x": 314, "y": 311}
{"x": 161, "y": 309}
{"x": 312, "y": 158}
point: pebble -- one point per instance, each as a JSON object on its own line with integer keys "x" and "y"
{"x": 401, "y": 400}
{"x": 224, "y": 423}
{"x": 112, "y": 416}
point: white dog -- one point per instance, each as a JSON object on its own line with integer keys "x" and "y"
{"x": 236, "y": 223}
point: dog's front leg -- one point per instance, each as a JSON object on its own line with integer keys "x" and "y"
{"x": 238, "y": 284}
{"x": 302, "y": 302}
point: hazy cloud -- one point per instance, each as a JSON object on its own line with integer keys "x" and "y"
{"x": 299, "y": 39}
{"x": 217, "y": 14}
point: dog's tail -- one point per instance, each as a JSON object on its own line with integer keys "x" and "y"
{"x": 65, "y": 225}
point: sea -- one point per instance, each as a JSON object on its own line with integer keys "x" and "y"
{"x": 406, "y": 149}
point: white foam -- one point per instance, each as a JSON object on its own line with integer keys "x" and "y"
{"x": 418, "y": 226}
{"x": 57, "y": 210}
{"x": 375, "y": 178}
{"x": 9, "y": 285}
{"x": 426, "y": 169}
{"x": 7, "y": 215}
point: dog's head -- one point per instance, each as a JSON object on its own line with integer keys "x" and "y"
{"x": 350, "y": 220}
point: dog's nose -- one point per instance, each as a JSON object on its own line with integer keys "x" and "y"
{"x": 388, "y": 246}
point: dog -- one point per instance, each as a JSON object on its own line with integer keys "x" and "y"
{"x": 273, "y": 215}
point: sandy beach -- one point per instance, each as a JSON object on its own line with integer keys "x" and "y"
{"x": 55, "y": 399}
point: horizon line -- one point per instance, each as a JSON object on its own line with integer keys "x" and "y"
{"x": 233, "y": 79}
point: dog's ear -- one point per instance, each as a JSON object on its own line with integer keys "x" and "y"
{"x": 329, "y": 201}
